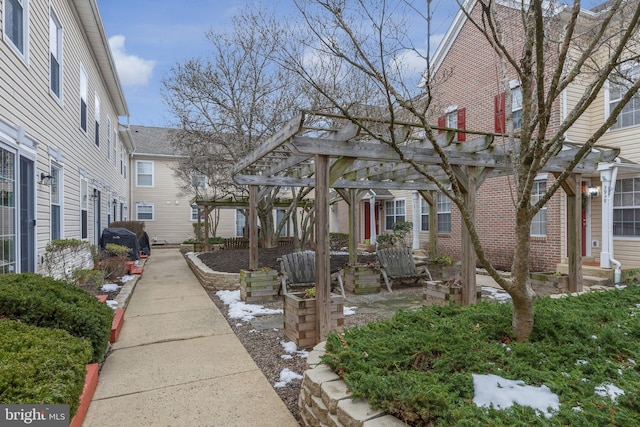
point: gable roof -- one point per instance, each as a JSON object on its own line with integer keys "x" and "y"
{"x": 153, "y": 141}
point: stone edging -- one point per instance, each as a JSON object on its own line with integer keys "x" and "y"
{"x": 216, "y": 280}
{"x": 325, "y": 400}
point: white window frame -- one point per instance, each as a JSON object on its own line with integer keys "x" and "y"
{"x": 198, "y": 180}
{"x": 516, "y": 106}
{"x": 145, "y": 205}
{"x": 194, "y": 214}
{"x": 396, "y": 205}
{"x": 240, "y": 222}
{"x": 84, "y": 93}
{"x": 539, "y": 221}
{"x": 633, "y": 106}
{"x": 57, "y": 199}
{"x": 287, "y": 230}
{"x": 626, "y": 207}
{"x": 443, "y": 210}
{"x": 55, "y": 53}
{"x": 115, "y": 146}
{"x": 108, "y": 132}
{"x": 24, "y": 52}
{"x": 424, "y": 212}
{"x": 140, "y": 162}
{"x": 96, "y": 118}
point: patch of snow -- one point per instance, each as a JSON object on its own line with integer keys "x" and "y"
{"x": 495, "y": 294}
{"x": 254, "y": 331}
{"x": 286, "y": 357}
{"x": 291, "y": 348}
{"x": 577, "y": 409}
{"x": 286, "y": 376}
{"x": 127, "y": 278}
{"x": 633, "y": 362}
{"x": 608, "y": 389}
{"x": 594, "y": 337}
{"x": 112, "y": 303}
{"x": 349, "y": 311}
{"x": 110, "y": 287}
{"x": 582, "y": 362}
{"x": 500, "y": 393}
{"x": 241, "y": 310}
{"x": 620, "y": 286}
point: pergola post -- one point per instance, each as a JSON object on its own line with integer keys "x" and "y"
{"x": 253, "y": 227}
{"x": 353, "y": 232}
{"x": 323, "y": 279}
{"x": 574, "y": 232}
{"x": 206, "y": 247}
{"x": 468, "y": 253}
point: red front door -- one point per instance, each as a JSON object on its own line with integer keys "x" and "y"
{"x": 367, "y": 221}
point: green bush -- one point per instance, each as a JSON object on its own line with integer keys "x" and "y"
{"x": 338, "y": 241}
{"x": 46, "y": 302}
{"x": 41, "y": 365}
{"x": 418, "y": 365}
{"x": 133, "y": 226}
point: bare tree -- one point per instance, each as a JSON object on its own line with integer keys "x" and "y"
{"x": 356, "y": 46}
{"x": 225, "y": 104}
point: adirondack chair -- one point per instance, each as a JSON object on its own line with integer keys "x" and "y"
{"x": 398, "y": 264}
{"x": 298, "y": 269}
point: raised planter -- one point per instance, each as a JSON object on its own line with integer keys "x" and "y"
{"x": 439, "y": 292}
{"x": 258, "y": 285}
{"x": 361, "y": 279}
{"x": 549, "y": 283}
{"x": 90, "y": 385}
{"x": 443, "y": 272}
{"x": 300, "y": 318}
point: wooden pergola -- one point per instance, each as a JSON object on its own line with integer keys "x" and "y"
{"x": 327, "y": 151}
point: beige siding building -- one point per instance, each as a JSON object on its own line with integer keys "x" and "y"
{"x": 63, "y": 151}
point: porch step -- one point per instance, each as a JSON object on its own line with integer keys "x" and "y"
{"x": 596, "y": 281}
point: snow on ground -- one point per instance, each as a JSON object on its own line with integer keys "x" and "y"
{"x": 495, "y": 294}
{"x": 286, "y": 376}
{"x": 127, "y": 278}
{"x": 241, "y": 310}
{"x": 291, "y": 348}
{"x": 493, "y": 390}
{"x": 608, "y": 389}
{"x": 349, "y": 311}
{"x": 110, "y": 287}
{"x": 112, "y": 303}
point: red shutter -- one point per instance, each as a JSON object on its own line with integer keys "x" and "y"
{"x": 441, "y": 123}
{"x": 462, "y": 124}
{"x": 500, "y": 114}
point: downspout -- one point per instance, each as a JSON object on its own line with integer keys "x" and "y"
{"x": 372, "y": 218}
{"x": 415, "y": 198}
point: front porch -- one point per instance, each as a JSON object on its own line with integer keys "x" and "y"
{"x": 593, "y": 274}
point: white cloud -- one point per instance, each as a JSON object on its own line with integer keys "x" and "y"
{"x": 133, "y": 70}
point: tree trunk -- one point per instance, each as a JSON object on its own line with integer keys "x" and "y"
{"x": 521, "y": 292}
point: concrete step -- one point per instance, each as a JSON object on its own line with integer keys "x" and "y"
{"x": 596, "y": 281}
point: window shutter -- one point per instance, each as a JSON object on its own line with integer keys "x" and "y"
{"x": 500, "y": 113}
{"x": 441, "y": 123}
{"x": 462, "y": 124}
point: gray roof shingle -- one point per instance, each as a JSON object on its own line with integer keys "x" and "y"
{"x": 153, "y": 140}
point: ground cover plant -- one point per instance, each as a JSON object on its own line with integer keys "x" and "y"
{"x": 46, "y": 302}
{"x": 41, "y": 365}
{"x": 419, "y": 366}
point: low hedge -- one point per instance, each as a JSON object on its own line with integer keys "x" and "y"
{"x": 41, "y": 365}
{"x": 46, "y": 302}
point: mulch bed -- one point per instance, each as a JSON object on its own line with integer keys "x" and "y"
{"x": 232, "y": 261}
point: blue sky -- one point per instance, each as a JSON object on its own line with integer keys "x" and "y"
{"x": 148, "y": 37}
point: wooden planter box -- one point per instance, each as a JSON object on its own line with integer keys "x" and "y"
{"x": 439, "y": 272}
{"x": 549, "y": 283}
{"x": 258, "y": 285}
{"x": 436, "y": 292}
{"x": 300, "y": 318}
{"x": 361, "y": 279}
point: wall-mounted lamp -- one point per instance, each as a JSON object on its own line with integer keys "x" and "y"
{"x": 593, "y": 191}
{"x": 46, "y": 179}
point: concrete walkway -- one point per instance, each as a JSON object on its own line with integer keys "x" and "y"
{"x": 178, "y": 363}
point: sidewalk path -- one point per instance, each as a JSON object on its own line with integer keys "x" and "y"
{"x": 178, "y": 363}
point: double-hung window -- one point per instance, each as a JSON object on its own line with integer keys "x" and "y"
{"x": 630, "y": 114}
{"x": 144, "y": 211}
{"x": 240, "y": 223}
{"x": 394, "y": 212}
{"x": 15, "y": 18}
{"x": 96, "y": 116}
{"x": 516, "y": 107}
{"x": 539, "y": 221}
{"x": 626, "y": 208}
{"x": 55, "y": 54}
{"x": 287, "y": 228}
{"x": 144, "y": 173}
{"x": 198, "y": 180}
{"x": 424, "y": 215}
{"x": 444, "y": 213}
{"x": 84, "y": 90}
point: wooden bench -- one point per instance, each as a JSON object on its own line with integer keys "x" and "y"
{"x": 398, "y": 264}
{"x": 298, "y": 269}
